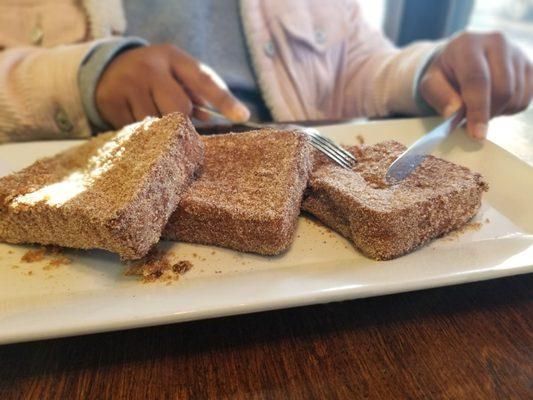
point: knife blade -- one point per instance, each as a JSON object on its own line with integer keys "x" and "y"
{"x": 419, "y": 150}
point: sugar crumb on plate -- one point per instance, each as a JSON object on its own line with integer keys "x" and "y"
{"x": 471, "y": 226}
{"x": 34, "y": 255}
{"x": 182, "y": 267}
{"x": 40, "y": 254}
{"x": 157, "y": 267}
{"x": 57, "y": 262}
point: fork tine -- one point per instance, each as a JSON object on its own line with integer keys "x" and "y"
{"x": 321, "y": 143}
{"x": 316, "y": 134}
{"x": 328, "y": 142}
{"x": 327, "y": 151}
{"x": 333, "y": 148}
{"x": 309, "y": 131}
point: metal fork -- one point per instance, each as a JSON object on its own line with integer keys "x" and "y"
{"x": 321, "y": 143}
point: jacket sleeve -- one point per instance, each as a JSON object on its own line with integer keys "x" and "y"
{"x": 382, "y": 79}
{"x": 39, "y": 93}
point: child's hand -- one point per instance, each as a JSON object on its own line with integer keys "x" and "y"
{"x": 483, "y": 71}
{"x": 159, "y": 79}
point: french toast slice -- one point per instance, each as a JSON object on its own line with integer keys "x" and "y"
{"x": 114, "y": 192}
{"x": 249, "y": 194}
{"x": 386, "y": 221}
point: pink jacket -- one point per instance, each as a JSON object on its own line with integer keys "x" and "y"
{"x": 314, "y": 59}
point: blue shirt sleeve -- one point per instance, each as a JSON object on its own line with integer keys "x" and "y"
{"x": 92, "y": 67}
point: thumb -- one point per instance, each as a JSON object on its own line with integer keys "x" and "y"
{"x": 439, "y": 93}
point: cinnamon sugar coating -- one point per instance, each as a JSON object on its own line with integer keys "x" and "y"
{"x": 248, "y": 196}
{"x": 386, "y": 221}
{"x": 114, "y": 192}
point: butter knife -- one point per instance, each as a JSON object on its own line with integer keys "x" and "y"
{"x": 419, "y": 150}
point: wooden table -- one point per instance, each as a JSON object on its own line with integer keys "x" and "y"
{"x": 472, "y": 341}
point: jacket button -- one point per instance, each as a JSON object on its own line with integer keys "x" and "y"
{"x": 320, "y": 36}
{"x": 36, "y": 35}
{"x": 62, "y": 121}
{"x": 269, "y": 49}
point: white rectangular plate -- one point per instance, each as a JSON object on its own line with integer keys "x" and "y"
{"x": 92, "y": 294}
